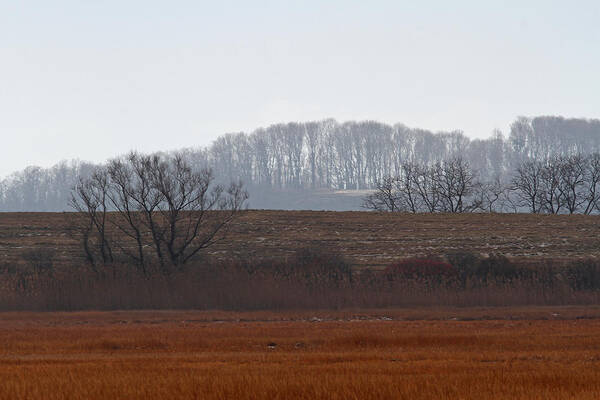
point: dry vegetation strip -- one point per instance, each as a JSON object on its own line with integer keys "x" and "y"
{"x": 546, "y": 353}
{"x": 364, "y": 238}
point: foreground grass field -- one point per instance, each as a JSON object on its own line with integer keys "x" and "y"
{"x": 501, "y": 353}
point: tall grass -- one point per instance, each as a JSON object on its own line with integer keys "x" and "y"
{"x": 309, "y": 279}
{"x": 141, "y": 355}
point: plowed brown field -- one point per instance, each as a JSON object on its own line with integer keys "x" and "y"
{"x": 364, "y": 238}
{"x": 528, "y": 353}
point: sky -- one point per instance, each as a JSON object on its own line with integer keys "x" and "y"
{"x": 92, "y": 79}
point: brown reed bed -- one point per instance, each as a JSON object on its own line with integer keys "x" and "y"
{"x": 449, "y": 353}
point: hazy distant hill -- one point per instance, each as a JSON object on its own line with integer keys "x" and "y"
{"x": 306, "y": 165}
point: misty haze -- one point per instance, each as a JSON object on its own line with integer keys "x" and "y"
{"x": 326, "y": 165}
{"x": 281, "y": 200}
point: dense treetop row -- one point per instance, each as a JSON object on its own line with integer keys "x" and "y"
{"x": 332, "y": 155}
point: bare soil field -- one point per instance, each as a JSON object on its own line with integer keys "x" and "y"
{"x": 366, "y": 239}
{"x": 479, "y": 353}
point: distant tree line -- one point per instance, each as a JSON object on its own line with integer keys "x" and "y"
{"x": 331, "y": 155}
{"x": 566, "y": 184}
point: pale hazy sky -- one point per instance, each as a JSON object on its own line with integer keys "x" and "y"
{"x": 93, "y": 79}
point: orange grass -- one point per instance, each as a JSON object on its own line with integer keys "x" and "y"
{"x": 545, "y": 353}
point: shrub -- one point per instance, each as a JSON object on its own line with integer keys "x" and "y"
{"x": 40, "y": 260}
{"x": 494, "y": 268}
{"x": 312, "y": 267}
{"x": 318, "y": 265}
{"x": 584, "y": 275}
{"x": 368, "y": 278}
{"x": 498, "y": 268}
{"x": 421, "y": 270}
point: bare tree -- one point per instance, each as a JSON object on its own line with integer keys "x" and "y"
{"x": 492, "y": 197}
{"x": 426, "y": 188}
{"x": 552, "y": 192}
{"x": 186, "y": 226}
{"x": 161, "y": 204}
{"x": 527, "y": 185}
{"x": 90, "y": 199}
{"x": 572, "y": 182}
{"x": 407, "y": 187}
{"x": 385, "y": 197}
{"x": 454, "y": 181}
{"x": 444, "y": 187}
{"x": 592, "y": 182}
